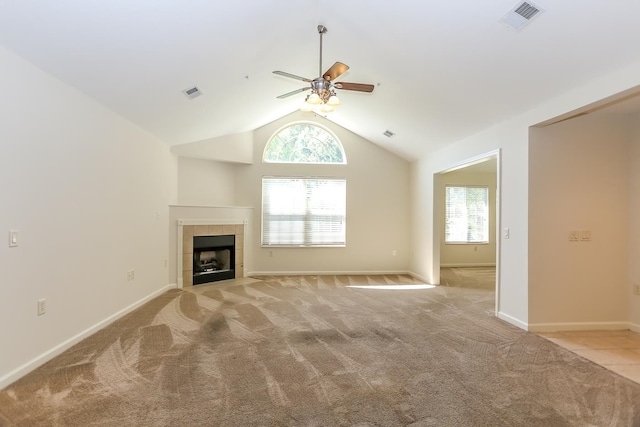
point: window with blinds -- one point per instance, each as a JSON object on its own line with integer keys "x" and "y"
{"x": 303, "y": 211}
{"x": 466, "y": 214}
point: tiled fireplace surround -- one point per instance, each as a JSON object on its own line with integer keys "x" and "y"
{"x": 187, "y": 230}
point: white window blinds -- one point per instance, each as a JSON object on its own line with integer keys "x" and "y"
{"x": 303, "y": 211}
{"x": 466, "y": 214}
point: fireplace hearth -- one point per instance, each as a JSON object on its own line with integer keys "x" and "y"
{"x": 213, "y": 258}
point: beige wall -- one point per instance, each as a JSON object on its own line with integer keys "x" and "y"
{"x": 89, "y": 193}
{"x": 579, "y": 180}
{"x": 634, "y": 222}
{"x": 377, "y": 206}
{"x": 484, "y": 174}
{"x": 205, "y": 182}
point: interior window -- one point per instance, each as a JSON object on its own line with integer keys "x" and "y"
{"x": 466, "y": 214}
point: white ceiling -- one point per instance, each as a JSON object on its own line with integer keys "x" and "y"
{"x": 442, "y": 69}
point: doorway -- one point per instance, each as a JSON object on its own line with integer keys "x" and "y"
{"x": 480, "y": 172}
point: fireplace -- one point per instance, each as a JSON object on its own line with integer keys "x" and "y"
{"x": 213, "y": 258}
{"x": 189, "y": 229}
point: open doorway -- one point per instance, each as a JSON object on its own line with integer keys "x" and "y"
{"x": 466, "y": 235}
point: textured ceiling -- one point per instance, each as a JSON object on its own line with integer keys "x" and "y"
{"x": 442, "y": 70}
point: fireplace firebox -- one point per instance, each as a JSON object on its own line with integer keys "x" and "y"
{"x": 213, "y": 258}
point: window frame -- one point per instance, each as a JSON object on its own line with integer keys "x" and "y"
{"x": 304, "y": 244}
{"x": 487, "y": 224}
{"x": 303, "y": 122}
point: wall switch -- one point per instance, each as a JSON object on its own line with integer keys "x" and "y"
{"x": 506, "y": 233}
{"x": 13, "y": 238}
{"x": 574, "y": 236}
{"x": 393, "y": 252}
{"x": 42, "y": 306}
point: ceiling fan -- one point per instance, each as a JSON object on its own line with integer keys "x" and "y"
{"x": 322, "y": 87}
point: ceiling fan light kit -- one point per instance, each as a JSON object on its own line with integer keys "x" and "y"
{"x": 323, "y": 97}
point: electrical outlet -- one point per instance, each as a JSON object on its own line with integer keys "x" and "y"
{"x": 42, "y": 306}
{"x": 574, "y": 236}
{"x": 636, "y": 289}
{"x": 585, "y": 236}
{"x": 131, "y": 275}
{"x": 393, "y": 252}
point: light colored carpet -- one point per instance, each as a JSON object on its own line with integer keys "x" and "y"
{"x": 312, "y": 351}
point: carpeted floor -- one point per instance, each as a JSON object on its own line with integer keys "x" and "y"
{"x": 313, "y": 351}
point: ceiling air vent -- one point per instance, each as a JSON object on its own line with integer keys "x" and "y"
{"x": 521, "y": 15}
{"x": 388, "y": 133}
{"x": 193, "y": 92}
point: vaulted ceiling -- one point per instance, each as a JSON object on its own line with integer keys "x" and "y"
{"x": 441, "y": 69}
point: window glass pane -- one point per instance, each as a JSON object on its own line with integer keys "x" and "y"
{"x": 303, "y": 211}
{"x": 304, "y": 143}
{"x": 466, "y": 214}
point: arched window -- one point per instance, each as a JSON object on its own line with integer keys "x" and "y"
{"x": 304, "y": 142}
{"x": 304, "y": 211}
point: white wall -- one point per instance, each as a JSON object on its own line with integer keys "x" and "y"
{"x": 235, "y": 148}
{"x": 578, "y": 181}
{"x": 377, "y": 207}
{"x": 462, "y": 255}
{"x": 511, "y": 138}
{"x": 205, "y": 182}
{"x": 89, "y": 193}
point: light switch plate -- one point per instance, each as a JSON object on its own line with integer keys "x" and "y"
{"x": 13, "y": 238}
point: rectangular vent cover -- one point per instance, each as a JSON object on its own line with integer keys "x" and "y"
{"x": 521, "y": 15}
{"x": 526, "y": 10}
{"x": 193, "y": 92}
{"x": 388, "y": 133}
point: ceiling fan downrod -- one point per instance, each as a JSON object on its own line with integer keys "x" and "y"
{"x": 321, "y": 30}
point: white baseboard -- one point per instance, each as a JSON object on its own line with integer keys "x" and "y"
{"x": 321, "y": 273}
{"x": 579, "y": 326}
{"x": 21, "y": 371}
{"x": 470, "y": 264}
{"x": 634, "y": 327}
{"x": 419, "y": 277}
{"x": 514, "y": 321}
